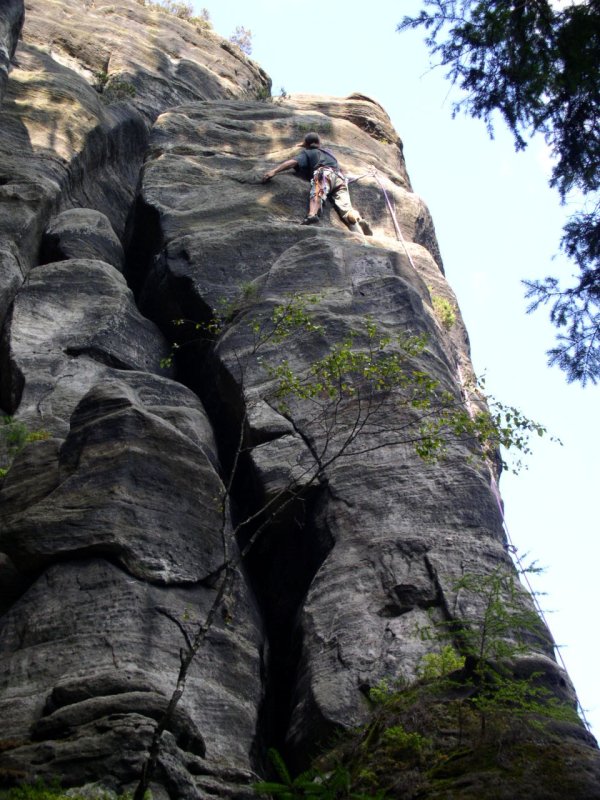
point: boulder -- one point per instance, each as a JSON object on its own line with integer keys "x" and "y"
{"x": 89, "y": 657}
{"x": 204, "y": 170}
{"x": 71, "y": 324}
{"x": 108, "y": 492}
{"x": 82, "y": 233}
{"x": 87, "y": 82}
{"x": 140, "y": 53}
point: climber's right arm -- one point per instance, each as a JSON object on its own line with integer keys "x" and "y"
{"x": 291, "y": 163}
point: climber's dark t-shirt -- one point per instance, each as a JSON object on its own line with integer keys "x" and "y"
{"x": 308, "y": 161}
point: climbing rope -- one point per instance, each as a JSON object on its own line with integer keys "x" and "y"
{"x": 372, "y": 172}
{"x": 510, "y": 547}
{"x": 513, "y": 551}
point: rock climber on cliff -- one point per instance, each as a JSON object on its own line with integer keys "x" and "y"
{"x": 321, "y": 168}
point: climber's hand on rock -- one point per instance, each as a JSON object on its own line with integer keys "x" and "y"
{"x": 267, "y": 177}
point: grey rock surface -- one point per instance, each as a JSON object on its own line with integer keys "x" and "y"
{"x": 231, "y": 143}
{"x": 100, "y": 708}
{"x": 61, "y": 147}
{"x": 130, "y": 198}
{"x": 133, "y": 51}
{"x": 394, "y": 555}
{"x": 12, "y": 14}
{"x": 82, "y": 233}
{"x": 87, "y": 81}
{"x": 108, "y": 493}
{"x": 72, "y": 323}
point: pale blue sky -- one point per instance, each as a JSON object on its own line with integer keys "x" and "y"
{"x": 497, "y": 222}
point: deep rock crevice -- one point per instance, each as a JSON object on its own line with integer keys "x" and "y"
{"x": 115, "y": 221}
{"x": 281, "y": 564}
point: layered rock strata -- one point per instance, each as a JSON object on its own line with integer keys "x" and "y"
{"x": 11, "y": 22}
{"x": 130, "y": 196}
{"x": 85, "y": 85}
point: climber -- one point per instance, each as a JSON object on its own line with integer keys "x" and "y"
{"x": 321, "y": 168}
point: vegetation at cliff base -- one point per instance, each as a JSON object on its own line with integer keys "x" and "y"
{"x": 53, "y": 791}
{"x": 369, "y": 390}
{"x": 469, "y": 727}
{"x": 536, "y": 65}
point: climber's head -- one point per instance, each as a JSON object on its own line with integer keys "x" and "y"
{"x": 312, "y": 140}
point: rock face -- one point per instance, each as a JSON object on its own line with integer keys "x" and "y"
{"x": 11, "y": 22}
{"x": 86, "y": 84}
{"x": 304, "y": 542}
{"x": 82, "y": 233}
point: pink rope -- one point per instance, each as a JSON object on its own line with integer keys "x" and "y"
{"x": 373, "y": 172}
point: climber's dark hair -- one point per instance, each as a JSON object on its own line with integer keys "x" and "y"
{"x": 312, "y": 140}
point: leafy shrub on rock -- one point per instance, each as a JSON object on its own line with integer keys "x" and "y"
{"x": 14, "y": 435}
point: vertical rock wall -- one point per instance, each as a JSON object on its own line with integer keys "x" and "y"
{"x": 130, "y": 196}
{"x": 111, "y": 521}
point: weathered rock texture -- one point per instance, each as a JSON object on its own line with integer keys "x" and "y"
{"x": 130, "y": 196}
{"x": 11, "y": 22}
{"x": 86, "y": 83}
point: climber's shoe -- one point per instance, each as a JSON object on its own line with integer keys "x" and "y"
{"x": 310, "y": 220}
{"x": 365, "y": 227}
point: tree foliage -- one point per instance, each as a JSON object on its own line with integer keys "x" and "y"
{"x": 14, "y": 435}
{"x": 242, "y": 37}
{"x": 537, "y": 65}
{"x": 472, "y": 710}
{"x": 363, "y": 393}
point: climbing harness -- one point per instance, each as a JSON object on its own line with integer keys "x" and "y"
{"x": 323, "y": 182}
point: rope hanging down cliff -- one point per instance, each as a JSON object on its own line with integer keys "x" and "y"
{"x": 374, "y": 174}
{"x": 320, "y": 166}
{"x": 523, "y": 574}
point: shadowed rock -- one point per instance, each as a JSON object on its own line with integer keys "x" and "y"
{"x": 12, "y": 14}
{"x": 12, "y": 583}
{"x": 128, "y": 130}
{"x": 82, "y": 233}
{"x": 72, "y": 323}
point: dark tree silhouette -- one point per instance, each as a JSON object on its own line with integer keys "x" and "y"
{"x": 537, "y": 65}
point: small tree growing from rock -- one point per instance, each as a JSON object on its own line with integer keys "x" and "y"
{"x": 242, "y": 37}
{"x": 363, "y": 393}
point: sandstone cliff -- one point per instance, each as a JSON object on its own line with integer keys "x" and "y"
{"x": 133, "y": 144}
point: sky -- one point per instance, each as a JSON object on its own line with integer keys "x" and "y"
{"x": 497, "y": 222}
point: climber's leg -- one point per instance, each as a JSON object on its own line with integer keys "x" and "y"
{"x": 340, "y": 197}
{"x": 320, "y": 186}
